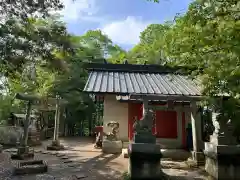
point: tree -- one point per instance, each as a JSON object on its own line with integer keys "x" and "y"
{"x": 207, "y": 37}
{"x": 29, "y": 34}
{"x": 150, "y": 49}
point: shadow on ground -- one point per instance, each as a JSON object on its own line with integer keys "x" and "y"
{"x": 100, "y": 167}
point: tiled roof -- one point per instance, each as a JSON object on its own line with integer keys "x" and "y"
{"x": 117, "y": 82}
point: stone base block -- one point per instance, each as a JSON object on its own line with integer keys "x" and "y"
{"x": 22, "y": 156}
{"x": 112, "y": 147}
{"x": 23, "y": 153}
{"x": 144, "y": 161}
{"x": 175, "y": 154}
{"x": 55, "y": 147}
{"x": 144, "y": 138}
{"x": 34, "y": 138}
{"x": 222, "y": 161}
{"x": 30, "y": 167}
{"x": 198, "y": 158}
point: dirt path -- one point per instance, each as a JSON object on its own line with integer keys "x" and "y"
{"x": 82, "y": 161}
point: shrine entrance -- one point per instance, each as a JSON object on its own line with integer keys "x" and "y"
{"x": 166, "y": 124}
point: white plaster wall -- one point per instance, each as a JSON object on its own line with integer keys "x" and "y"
{"x": 116, "y": 111}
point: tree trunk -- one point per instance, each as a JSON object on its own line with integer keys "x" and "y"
{"x": 26, "y": 124}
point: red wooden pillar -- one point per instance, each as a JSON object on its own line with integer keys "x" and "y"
{"x": 134, "y": 109}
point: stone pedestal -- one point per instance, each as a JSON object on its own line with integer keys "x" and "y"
{"x": 144, "y": 137}
{"x": 23, "y": 152}
{"x": 222, "y": 152}
{"x": 222, "y": 161}
{"x": 34, "y": 138}
{"x": 144, "y": 161}
{"x": 55, "y": 146}
{"x": 30, "y": 167}
{"x": 111, "y": 147}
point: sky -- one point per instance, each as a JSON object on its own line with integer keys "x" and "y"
{"x": 121, "y": 20}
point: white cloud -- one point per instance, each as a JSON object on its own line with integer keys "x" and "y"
{"x": 126, "y": 31}
{"x": 78, "y": 9}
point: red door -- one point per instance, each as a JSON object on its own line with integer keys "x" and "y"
{"x": 166, "y": 124}
{"x": 134, "y": 109}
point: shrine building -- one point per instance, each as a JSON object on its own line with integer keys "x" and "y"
{"x": 116, "y": 83}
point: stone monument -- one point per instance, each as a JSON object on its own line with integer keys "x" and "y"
{"x": 222, "y": 152}
{"x": 110, "y": 143}
{"x": 144, "y": 153}
{"x": 56, "y": 145}
{"x": 33, "y": 134}
{"x": 23, "y": 150}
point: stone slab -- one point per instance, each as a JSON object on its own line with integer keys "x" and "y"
{"x": 52, "y": 147}
{"x": 44, "y": 177}
{"x": 112, "y": 147}
{"x": 30, "y": 167}
{"x": 68, "y": 161}
{"x": 60, "y": 155}
{"x": 175, "y": 154}
{"x": 80, "y": 175}
{"x": 74, "y": 165}
{"x": 64, "y": 157}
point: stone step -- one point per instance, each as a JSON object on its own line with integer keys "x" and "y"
{"x": 125, "y": 144}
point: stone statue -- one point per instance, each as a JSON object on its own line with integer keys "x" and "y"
{"x": 144, "y": 125}
{"x": 112, "y": 136}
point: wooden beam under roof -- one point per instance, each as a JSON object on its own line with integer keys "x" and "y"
{"x": 166, "y": 97}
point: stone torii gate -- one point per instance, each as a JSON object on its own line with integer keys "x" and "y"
{"x": 197, "y": 154}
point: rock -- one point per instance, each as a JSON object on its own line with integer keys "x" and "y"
{"x": 60, "y": 155}
{"x": 44, "y": 177}
{"x": 68, "y": 161}
{"x": 74, "y": 165}
{"x": 112, "y": 147}
{"x": 64, "y": 157}
{"x": 80, "y": 175}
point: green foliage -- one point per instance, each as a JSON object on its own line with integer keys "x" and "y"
{"x": 7, "y": 106}
{"x": 125, "y": 176}
{"x": 150, "y": 49}
{"x": 29, "y": 34}
{"x": 208, "y": 37}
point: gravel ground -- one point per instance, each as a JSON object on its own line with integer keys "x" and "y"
{"x": 81, "y": 161}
